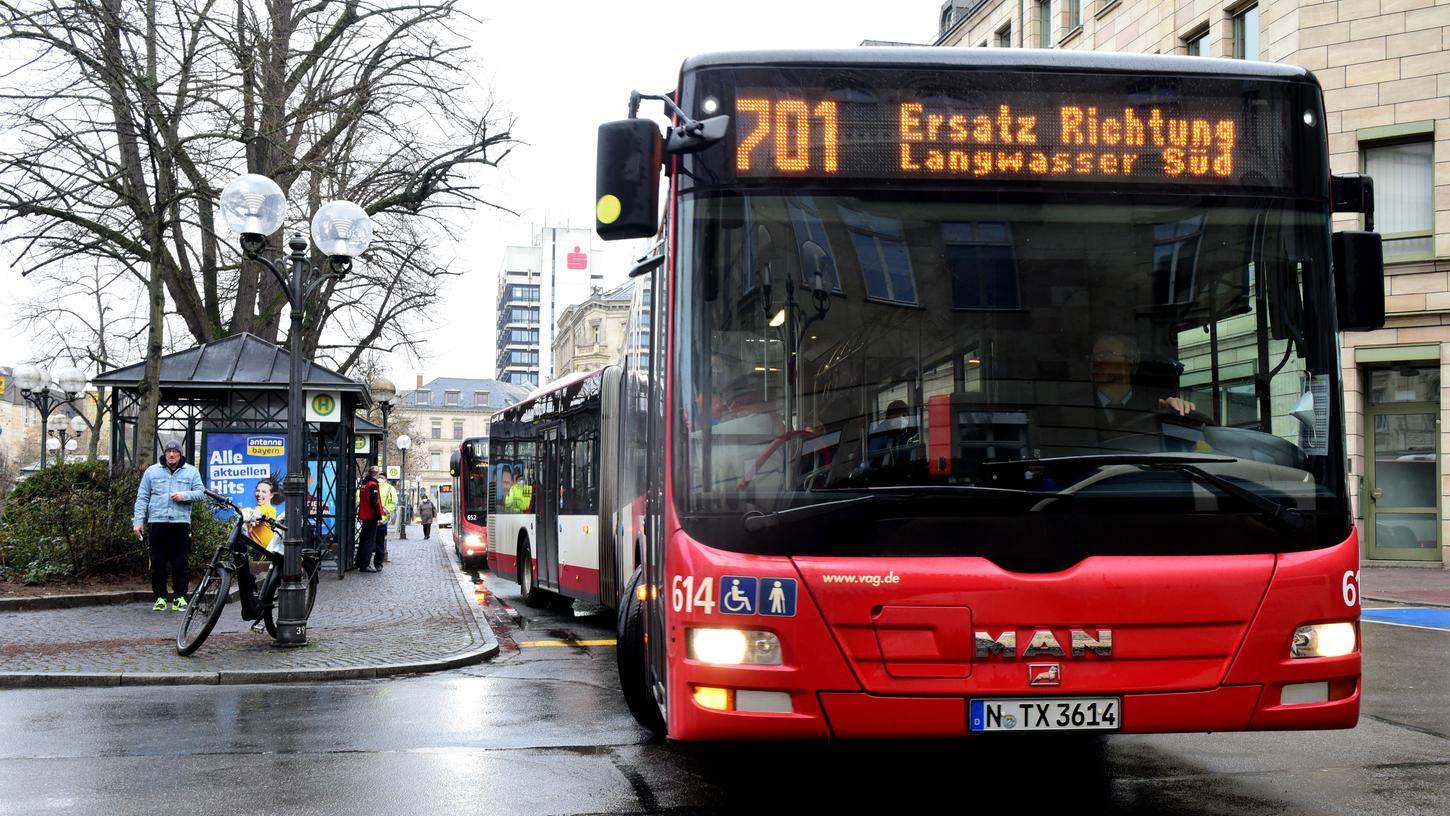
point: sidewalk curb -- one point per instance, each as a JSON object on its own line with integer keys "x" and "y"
{"x": 19, "y": 680}
{"x": 40, "y": 603}
{"x": 482, "y": 632}
{"x": 1405, "y": 601}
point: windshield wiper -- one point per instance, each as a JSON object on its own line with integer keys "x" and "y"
{"x": 757, "y": 520}
{"x": 1285, "y": 518}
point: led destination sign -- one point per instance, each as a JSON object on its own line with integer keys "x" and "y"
{"x": 1211, "y": 140}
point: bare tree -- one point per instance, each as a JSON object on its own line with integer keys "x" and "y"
{"x": 127, "y": 117}
{"x": 94, "y": 321}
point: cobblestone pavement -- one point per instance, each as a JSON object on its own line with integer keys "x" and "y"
{"x": 416, "y": 611}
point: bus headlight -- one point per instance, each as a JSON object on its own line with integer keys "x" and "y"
{"x": 734, "y": 647}
{"x": 473, "y": 540}
{"x": 1323, "y": 640}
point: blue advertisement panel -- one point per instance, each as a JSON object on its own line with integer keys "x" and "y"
{"x": 320, "y": 493}
{"x": 235, "y": 462}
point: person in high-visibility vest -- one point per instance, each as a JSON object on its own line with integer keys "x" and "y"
{"x": 389, "y": 496}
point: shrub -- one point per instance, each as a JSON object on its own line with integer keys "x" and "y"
{"x": 70, "y": 520}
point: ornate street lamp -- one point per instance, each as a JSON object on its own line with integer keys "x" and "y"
{"x": 404, "y": 442}
{"x": 253, "y": 206}
{"x": 56, "y": 425}
{"x": 385, "y": 394}
{"x": 37, "y": 388}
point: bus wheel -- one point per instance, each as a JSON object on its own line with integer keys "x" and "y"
{"x": 533, "y": 596}
{"x": 633, "y": 659}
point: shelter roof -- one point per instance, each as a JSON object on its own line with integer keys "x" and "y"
{"x": 239, "y": 361}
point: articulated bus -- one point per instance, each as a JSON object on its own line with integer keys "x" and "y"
{"x": 979, "y": 391}
{"x": 468, "y": 467}
{"x": 552, "y": 476}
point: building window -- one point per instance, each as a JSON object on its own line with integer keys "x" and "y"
{"x": 805, "y": 218}
{"x": 437, "y": 428}
{"x": 1246, "y": 33}
{"x": 452, "y": 397}
{"x": 435, "y": 460}
{"x": 1404, "y": 195}
{"x": 1196, "y": 44}
{"x": 457, "y": 429}
{"x": 1175, "y": 260}
{"x": 983, "y": 266}
{"x": 1004, "y": 36}
{"x": 594, "y": 331}
{"x": 880, "y": 245}
{"x": 480, "y": 399}
{"x": 1074, "y": 15}
{"x": 1044, "y": 23}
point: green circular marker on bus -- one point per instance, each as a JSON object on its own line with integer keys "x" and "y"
{"x": 608, "y": 209}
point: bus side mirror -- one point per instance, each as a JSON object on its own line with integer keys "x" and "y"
{"x": 627, "y": 179}
{"x": 1359, "y": 280}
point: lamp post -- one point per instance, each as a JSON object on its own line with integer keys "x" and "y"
{"x": 253, "y": 206}
{"x": 56, "y": 425}
{"x": 384, "y": 392}
{"x": 37, "y": 388}
{"x": 404, "y": 442}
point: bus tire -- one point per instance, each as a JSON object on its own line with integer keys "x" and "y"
{"x": 634, "y": 658}
{"x": 533, "y": 596}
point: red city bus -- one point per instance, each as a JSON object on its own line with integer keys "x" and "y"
{"x": 468, "y": 467}
{"x": 981, "y": 391}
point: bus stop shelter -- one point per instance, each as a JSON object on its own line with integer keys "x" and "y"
{"x": 227, "y": 403}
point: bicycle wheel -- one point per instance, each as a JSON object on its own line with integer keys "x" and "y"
{"x": 269, "y": 617}
{"x": 204, "y": 609}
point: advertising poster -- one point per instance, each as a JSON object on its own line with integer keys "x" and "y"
{"x": 322, "y": 495}
{"x": 235, "y": 462}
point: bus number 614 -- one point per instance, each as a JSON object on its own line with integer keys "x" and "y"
{"x": 685, "y": 597}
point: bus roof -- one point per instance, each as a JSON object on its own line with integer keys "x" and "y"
{"x": 1031, "y": 58}
{"x": 559, "y": 384}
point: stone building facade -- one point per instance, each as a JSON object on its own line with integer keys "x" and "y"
{"x": 590, "y": 335}
{"x": 442, "y": 413}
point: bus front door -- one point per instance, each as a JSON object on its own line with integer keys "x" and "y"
{"x": 546, "y": 553}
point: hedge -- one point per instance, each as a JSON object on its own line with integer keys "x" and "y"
{"x": 74, "y": 520}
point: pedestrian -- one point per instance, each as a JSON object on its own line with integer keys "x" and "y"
{"x": 370, "y": 514}
{"x": 164, "y": 498}
{"x": 426, "y": 511}
{"x": 389, "y": 496}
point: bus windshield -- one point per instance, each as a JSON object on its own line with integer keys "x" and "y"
{"x": 1083, "y": 362}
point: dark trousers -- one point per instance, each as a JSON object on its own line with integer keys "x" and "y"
{"x": 380, "y": 552}
{"x": 427, "y": 528}
{"x": 170, "y": 549}
{"x": 367, "y": 541}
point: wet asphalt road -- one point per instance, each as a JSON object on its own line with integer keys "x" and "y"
{"x": 541, "y": 730}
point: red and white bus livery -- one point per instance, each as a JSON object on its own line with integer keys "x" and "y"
{"x": 468, "y": 467}
{"x": 980, "y": 391}
{"x": 549, "y": 484}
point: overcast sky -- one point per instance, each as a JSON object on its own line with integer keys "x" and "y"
{"x": 560, "y": 69}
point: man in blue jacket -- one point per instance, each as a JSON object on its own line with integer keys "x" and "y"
{"x": 167, "y": 490}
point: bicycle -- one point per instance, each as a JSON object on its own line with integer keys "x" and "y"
{"x": 232, "y": 559}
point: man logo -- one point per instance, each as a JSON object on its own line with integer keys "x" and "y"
{"x": 1044, "y": 674}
